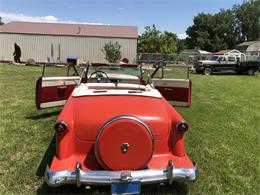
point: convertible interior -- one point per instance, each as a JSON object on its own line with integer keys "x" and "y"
{"x": 103, "y": 79}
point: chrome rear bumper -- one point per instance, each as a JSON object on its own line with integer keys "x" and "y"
{"x": 147, "y": 176}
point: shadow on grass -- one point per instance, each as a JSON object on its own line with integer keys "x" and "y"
{"x": 43, "y": 115}
{"x": 47, "y": 158}
{"x": 230, "y": 74}
{"x": 72, "y": 189}
{"x": 175, "y": 188}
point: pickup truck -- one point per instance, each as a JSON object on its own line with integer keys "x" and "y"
{"x": 224, "y": 63}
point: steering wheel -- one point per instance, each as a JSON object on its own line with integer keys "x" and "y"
{"x": 100, "y": 76}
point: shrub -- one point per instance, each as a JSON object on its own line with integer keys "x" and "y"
{"x": 112, "y": 52}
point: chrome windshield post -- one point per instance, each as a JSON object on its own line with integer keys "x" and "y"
{"x": 82, "y": 75}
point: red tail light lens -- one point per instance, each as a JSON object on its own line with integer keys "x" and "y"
{"x": 60, "y": 126}
{"x": 182, "y": 126}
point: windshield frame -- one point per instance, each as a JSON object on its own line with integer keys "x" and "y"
{"x": 113, "y": 68}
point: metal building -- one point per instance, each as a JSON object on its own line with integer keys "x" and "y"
{"x": 55, "y": 41}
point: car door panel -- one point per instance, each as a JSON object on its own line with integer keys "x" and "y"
{"x": 54, "y": 91}
{"x": 176, "y": 91}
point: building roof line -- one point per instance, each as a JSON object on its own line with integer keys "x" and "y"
{"x": 67, "y": 35}
{"x": 89, "y": 30}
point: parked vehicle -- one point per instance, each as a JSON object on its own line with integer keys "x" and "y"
{"x": 224, "y": 63}
{"x": 116, "y": 128}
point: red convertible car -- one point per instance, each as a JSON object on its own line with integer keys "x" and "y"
{"x": 116, "y": 128}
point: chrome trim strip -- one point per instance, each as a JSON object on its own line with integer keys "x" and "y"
{"x": 57, "y": 81}
{"x": 119, "y": 118}
{"x": 107, "y": 177}
{"x": 175, "y": 83}
{"x": 52, "y": 104}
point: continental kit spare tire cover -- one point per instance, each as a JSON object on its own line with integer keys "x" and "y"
{"x": 124, "y": 143}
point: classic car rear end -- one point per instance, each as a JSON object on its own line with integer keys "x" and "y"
{"x": 120, "y": 134}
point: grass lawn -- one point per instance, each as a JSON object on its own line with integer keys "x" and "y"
{"x": 223, "y": 138}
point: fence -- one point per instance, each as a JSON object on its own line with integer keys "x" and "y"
{"x": 151, "y": 58}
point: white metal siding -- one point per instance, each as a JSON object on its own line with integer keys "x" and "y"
{"x": 38, "y": 47}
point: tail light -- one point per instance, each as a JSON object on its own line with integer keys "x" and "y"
{"x": 60, "y": 127}
{"x": 182, "y": 126}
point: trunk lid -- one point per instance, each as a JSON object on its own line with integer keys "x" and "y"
{"x": 91, "y": 112}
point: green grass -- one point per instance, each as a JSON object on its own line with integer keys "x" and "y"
{"x": 223, "y": 138}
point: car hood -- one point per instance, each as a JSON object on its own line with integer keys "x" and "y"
{"x": 90, "y": 113}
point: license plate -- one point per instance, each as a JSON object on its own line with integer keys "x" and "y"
{"x": 126, "y": 188}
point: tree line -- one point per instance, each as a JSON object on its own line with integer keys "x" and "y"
{"x": 211, "y": 32}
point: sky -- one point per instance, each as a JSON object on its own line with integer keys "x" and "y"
{"x": 167, "y": 15}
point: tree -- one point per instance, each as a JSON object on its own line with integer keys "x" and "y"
{"x": 168, "y": 42}
{"x": 226, "y": 28}
{"x": 248, "y": 20}
{"x": 1, "y": 23}
{"x": 181, "y": 45}
{"x": 112, "y": 52}
{"x": 201, "y": 33}
{"x": 149, "y": 41}
{"x": 213, "y": 32}
{"x": 154, "y": 41}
